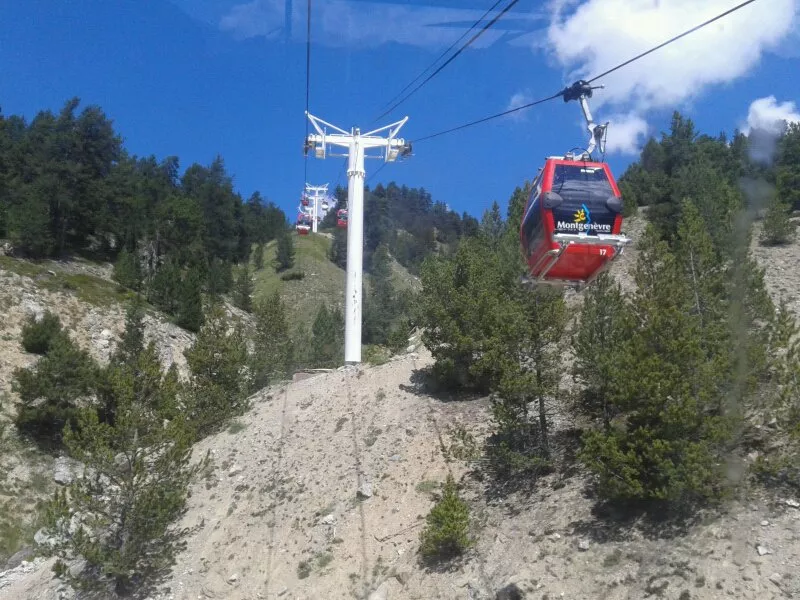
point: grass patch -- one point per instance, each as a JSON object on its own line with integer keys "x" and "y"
{"x": 323, "y": 281}
{"x": 87, "y": 288}
{"x": 235, "y": 427}
{"x": 15, "y": 532}
{"x": 427, "y": 487}
{"x": 319, "y": 560}
{"x": 20, "y": 267}
{"x": 90, "y": 289}
{"x": 372, "y": 436}
{"x": 303, "y": 569}
{"x": 324, "y": 559}
{"x": 612, "y": 559}
{"x": 376, "y": 355}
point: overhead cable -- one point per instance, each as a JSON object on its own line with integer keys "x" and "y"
{"x": 669, "y": 41}
{"x": 595, "y": 78}
{"x": 308, "y": 84}
{"x": 483, "y": 30}
{"x": 443, "y": 54}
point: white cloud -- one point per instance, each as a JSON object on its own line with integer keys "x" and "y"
{"x": 587, "y": 38}
{"x": 629, "y": 133}
{"x": 370, "y": 24}
{"x": 252, "y": 19}
{"x": 517, "y": 100}
{"x": 768, "y": 115}
{"x": 765, "y": 123}
{"x": 600, "y": 34}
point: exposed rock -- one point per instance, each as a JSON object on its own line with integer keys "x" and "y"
{"x": 233, "y": 578}
{"x": 763, "y": 550}
{"x": 583, "y": 545}
{"x": 235, "y": 470}
{"x": 775, "y": 578}
{"x": 25, "y": 567}
{"x": 17, "y": 558}
{"x": 364, "y": 490}
{"x": 793, "y": 503}
{"x": 402, "y": 577}
{"x": 31, "y": 308}
{"x": 121, "y": 461}
{"x": 41, "y": 537}
{"x": 657, "y": 586}
{"x": 77, "y": 567}
{"x": 382, "y": 593}
{"x": 67, "y": 470}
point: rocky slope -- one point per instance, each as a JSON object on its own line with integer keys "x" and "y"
{"x": 322, "y": 490}
{"x": 88, "y": 304}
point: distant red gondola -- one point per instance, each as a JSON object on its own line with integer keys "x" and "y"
{"x": 303, "y": 224}
{"x": 341, "y": 218}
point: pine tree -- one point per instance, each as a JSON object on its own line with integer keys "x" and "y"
{"x": 220, "y": 278}
{"x": 327, "y": 343}
{"x": 120, "y": 516}
{"x": 525, "y": 354}
{"x": 285, "y": 253}
{"x": 190, "y": 302}
{"x": 243, "y": 290}
{"x": 492, "y": 226}
{"x": 52, "y": 389}
{"x": 380, "y": 310}
{"x": 604, "y": 324}
{"x": 778, "y": 228}
{"x": 461, "y": 306}
{"x": 165, "y": 287}
{"x": 273, "y": 350}
{"x": 338, "y": 250}
{"x": 131, "y": 344}
{"x": 39, "y": 335}
{"x": 28, "y": 224}
{"x": 668, "y": 438}
{"x": 127, "y": 270}
{"x": 258, "y": 259}
{"x": 446, "y": 533}
{"x": 217, "y": 361}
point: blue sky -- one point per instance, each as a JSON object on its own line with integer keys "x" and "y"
{"x": 197, "y": 78}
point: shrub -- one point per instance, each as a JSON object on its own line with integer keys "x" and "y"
{"x": 50, "y": 391}
{"x": 218, "y": 388}
{"x": 293, "y": 276}
{"x": 778, "y": 228}
{"x": 447, "y": 531}
{"x": 37, "y": 336}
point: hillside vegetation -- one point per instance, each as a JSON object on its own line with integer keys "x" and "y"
{"x": 639, "y": 439}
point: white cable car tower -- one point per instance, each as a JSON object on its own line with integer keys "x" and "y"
{"x": 356, "y": 144}
{"x": 316, "y": 194}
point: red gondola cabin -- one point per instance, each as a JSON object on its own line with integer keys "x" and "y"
{"x": 570, "y": 231}
{"x": 303, "y": 224}
{"x": 341, "y": 218}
